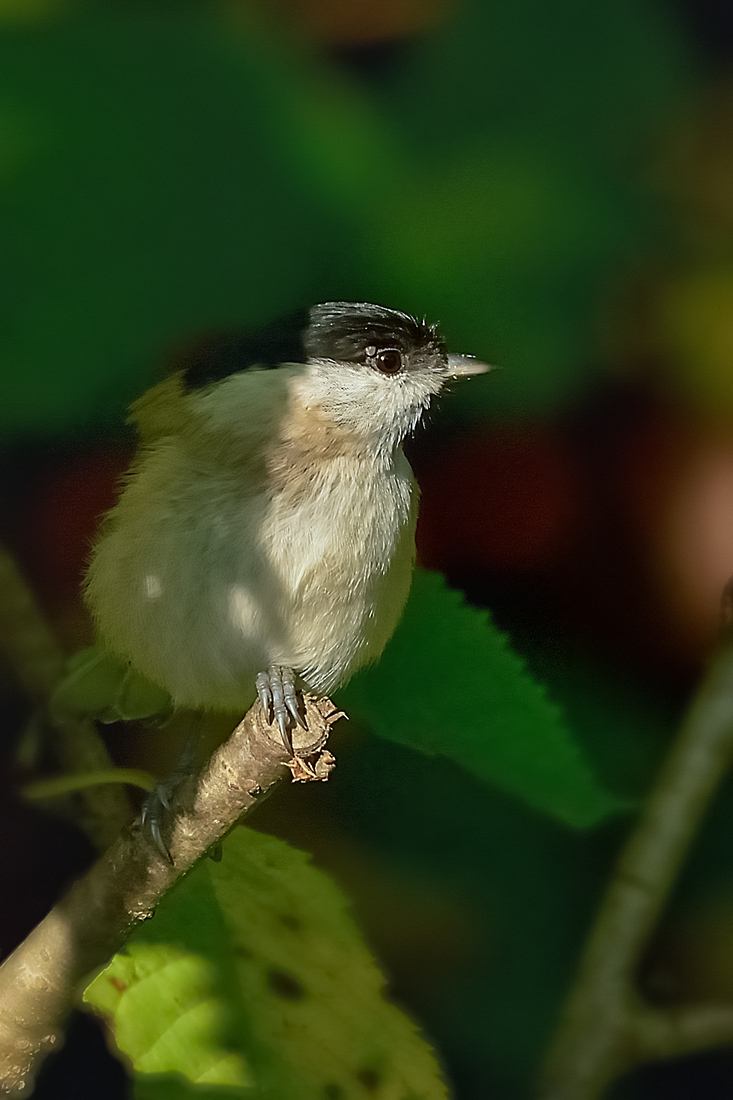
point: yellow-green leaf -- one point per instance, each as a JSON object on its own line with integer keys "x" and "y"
{"x": 252, "y": 977}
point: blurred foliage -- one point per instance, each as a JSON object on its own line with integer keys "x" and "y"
{"x": 149, "y": 190}
{"x": 167, "y": 171}
{"x": 253, "y": 975}
{"x": 693, "y": 324}
{"x": 528, "y": 123}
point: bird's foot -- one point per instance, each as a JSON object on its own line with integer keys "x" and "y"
{"x": 155, "y": 816}
{"x": 279, "y": 697}
{"x": 156, "y": 813}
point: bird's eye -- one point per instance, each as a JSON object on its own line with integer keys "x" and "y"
{"x": 388, "y": 361}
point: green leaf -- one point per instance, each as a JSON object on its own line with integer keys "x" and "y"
{"x": 253, "y": 980}
{"x": 100, "y": 684}
{"x": 449, "y": 684}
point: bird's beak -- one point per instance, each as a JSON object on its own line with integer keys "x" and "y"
{"x": 462, "y": 366}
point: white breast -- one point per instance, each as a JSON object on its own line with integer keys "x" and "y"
{"x": 343, "y": 557}
{"x": 204, "y": 579}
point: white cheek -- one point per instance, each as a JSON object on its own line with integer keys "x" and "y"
{"x": 368, "y": 402}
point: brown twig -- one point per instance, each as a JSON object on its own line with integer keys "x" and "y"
{"x": 39, "y": 981}
{"x": 606, "y": 1029}
{"x": 38, "y": 662}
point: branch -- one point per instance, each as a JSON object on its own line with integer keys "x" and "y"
{"x": 605, "y": 1029}
{"x": 669, "y": 1033}
{"x": 38, "y": 664}
{"x": 39, "y": 981}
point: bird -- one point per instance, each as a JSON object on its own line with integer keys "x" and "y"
{"x": 263, "y": 542}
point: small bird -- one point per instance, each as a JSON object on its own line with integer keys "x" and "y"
{"x": 264, "y": 540}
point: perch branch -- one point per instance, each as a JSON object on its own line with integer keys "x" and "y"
{"x": 605, "y": 1028}
{"x": 39, "y": 981}
{"x": 38, "y": 662}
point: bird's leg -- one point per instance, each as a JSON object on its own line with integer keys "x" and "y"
{"x": 279, "y": 698}
{"x": 157, "y": 806}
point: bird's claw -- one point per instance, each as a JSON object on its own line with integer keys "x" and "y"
{"x": 155, "y": 809}
{"x": 279, "y": 698}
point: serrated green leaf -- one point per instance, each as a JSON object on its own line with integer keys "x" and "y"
{"x": 450, "y": 684}
{"x": 252, "y": 977}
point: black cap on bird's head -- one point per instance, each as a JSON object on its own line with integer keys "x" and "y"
{"x": 338, "y": 331}
{"x": 372, "y": 369}
{"x": 343, "y": 331}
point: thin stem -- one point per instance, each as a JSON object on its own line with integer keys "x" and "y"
{"x": 668, "y": 1033}
{"x": 60, "y": 785}
{"x": 596, "y": 1038}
